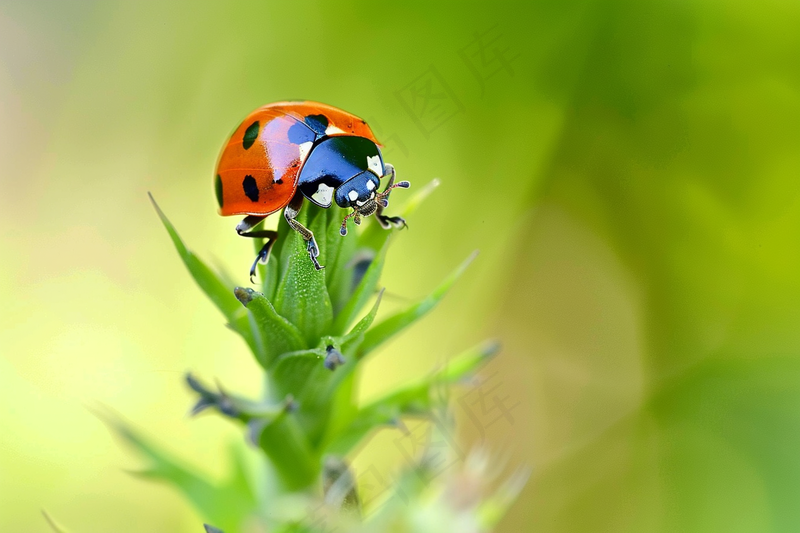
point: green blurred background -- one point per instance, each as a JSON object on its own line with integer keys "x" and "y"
{"x": 629, "y": 169}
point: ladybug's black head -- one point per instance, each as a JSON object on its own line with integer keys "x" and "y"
{"x": 359, "y": 192}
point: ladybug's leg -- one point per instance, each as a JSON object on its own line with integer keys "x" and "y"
{"x": 387, "y": 222}
{"x": 290, "y": 213}
{"x": 243, "y": 228}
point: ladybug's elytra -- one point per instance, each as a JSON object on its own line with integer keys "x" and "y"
{"x": 287, "y": 151}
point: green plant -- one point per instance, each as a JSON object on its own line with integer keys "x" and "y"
{"x": 309, "y": 332}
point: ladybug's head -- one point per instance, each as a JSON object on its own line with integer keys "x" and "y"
{"x": 361, "y": 193}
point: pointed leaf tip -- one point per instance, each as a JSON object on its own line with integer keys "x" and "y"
{"x": 355, "y": 337}
{"x": 416, "y": 199}
{"x": 52, "y": 523}
{"x": 363, "y": 291}
{"x": 211, "y": 529}
{"x": 280, "y": 335}
{"x": 208, "y": 280}
{"x": 194, "y": 383}
{"x": 415, "y": 398}
{"x": 490, "y": 348}
{"x": 399, "y": 321}
{"x": 244, "y": 294}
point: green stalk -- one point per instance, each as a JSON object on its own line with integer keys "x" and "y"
{"x": 304, "y": 330}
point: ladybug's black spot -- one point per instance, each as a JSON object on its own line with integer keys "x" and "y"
{"x": 218, "y": 189}
{"x": 299, "y": 133}
{"x": 250, "y": 135}
{"x": 250, "y": 188}
{"x": 279, "y": 181}
{"x": 318, "y": 123}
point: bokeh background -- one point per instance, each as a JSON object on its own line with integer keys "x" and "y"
{"x": 629, "y": 169}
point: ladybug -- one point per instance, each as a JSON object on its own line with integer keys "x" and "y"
{"x": 285, "y": 152}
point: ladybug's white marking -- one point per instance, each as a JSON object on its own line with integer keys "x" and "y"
{"x": 333, "y": 130}
{"x": 353, "y": 195}
{"x": 304, "y": 149}
{"x": 323, "y": 194}
{"x": 370, "y": 185}
{"x": 374, "y": 164}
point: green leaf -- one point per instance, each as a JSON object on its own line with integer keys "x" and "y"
{"x": 271, "y": 275}
{"x": 290, "y": 372}
{"x": 278, "y": 335}
{"x": 204, "y": 276}
{"x": 365, "y": 290}
{"x": 248, "y": 321}
{"x": 303, "y": 376}
{"x": 355, "y": 337}
{"x": 288, "y": 449}
{"x": 341, "y": 261}
{"x": 226, "y": 505}
{"x": 342, "y": 405}
{"x": 302, "y": 296}
{"x": 325, "y": 398}
{"x": 373, "y": 245}
{"x": 234, "y": 406}
{"x": 270, "y": 272}
{"x": 209, "y": 282}
{"x": 315, "y": 388}
{"x": 418, "y": 197}
{"x": 396, "y": 323}
{"x": 416, "y": 398}
{"x": 52, "y": 523}
{"x": 343, "y": 409}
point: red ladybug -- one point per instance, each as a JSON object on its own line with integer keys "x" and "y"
{"x": 287, "y": 151}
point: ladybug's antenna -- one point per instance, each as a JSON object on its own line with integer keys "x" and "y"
{"x": 381, "y": 196}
